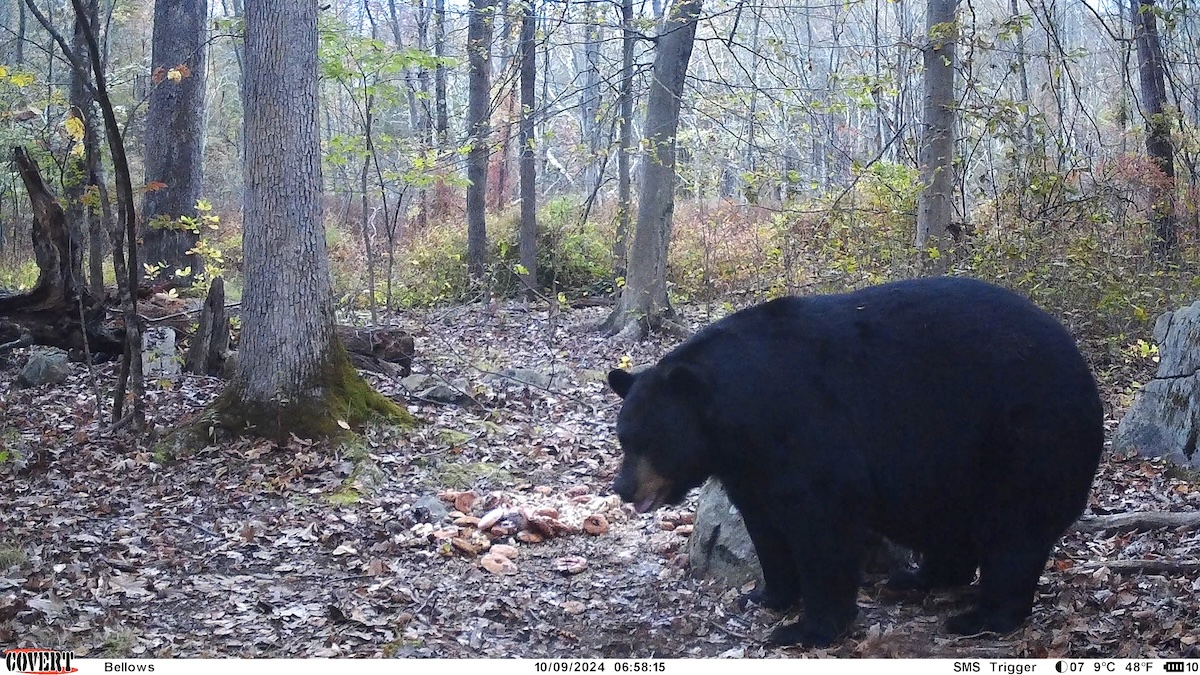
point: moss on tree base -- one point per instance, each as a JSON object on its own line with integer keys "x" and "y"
{"x": 347, "y": 401}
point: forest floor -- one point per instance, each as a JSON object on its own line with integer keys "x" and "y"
{"x": 250, "y": 549}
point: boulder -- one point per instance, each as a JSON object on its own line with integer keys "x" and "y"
{"x": 1164, "y": 420}
{"x": 720, "y": 547}
{"x": 46, "y": 365}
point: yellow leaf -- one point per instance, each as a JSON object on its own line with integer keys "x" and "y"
{"x": 74, "y": 127}
{"x": 77, "y": 151}
{"x": 174, "y": 75}
{"x": 3, "y": 71}
{"x": 22, "y": 79}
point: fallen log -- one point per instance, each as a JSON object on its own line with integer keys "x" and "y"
{"x": 381, "y": 349}
{"x": 1121, "y": 523}
{"x": 1145, "y": 566}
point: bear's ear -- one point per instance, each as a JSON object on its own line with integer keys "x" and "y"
{"x": 688, "y": 382}
{"x": 621, "y": 381}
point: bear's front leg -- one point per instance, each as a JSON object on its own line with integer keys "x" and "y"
{"x": 780, "y": 590}
{"x": 827, "y": 539}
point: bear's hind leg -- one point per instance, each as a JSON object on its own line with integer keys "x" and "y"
{"x": 1008, "y": 579}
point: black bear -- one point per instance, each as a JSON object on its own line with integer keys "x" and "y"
{"x": 947, "y": 414}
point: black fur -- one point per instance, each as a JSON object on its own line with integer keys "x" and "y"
{"x": 952, "y": 416}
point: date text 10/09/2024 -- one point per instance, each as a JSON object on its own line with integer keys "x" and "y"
{"x": 600, "y": 666}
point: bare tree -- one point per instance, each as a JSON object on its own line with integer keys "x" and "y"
{"x": 293, "y": 374}
{"x": 935, "y": 209}
{"x": 625, "y": 133}
{"x": 442, "y": 123}
{"x": 589, "y": 95}
{"x": 479, "y": 44}
{"x": 644, "y": 305}
{"x": 1158, "y": 126}
{"x": 528, "y": 57}
{"x": 174, "y": 137}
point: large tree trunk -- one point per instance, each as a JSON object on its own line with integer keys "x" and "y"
{"x": 293, "y": 374}
{"x": 174, "y": 138}
{"x": 644, "y": 304}
{"x": 528, "y": 162}
{"x": 1158, "y": 127}
{"x": 479, "y": 43}
{"x": 935, "y": 206}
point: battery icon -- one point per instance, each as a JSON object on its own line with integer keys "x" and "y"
{"x": 1173, "y": 666}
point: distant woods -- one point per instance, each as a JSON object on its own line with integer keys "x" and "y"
{"x": 510, "y": 122}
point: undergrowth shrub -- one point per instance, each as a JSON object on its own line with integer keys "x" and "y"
{"x": 574, "y": 258}
{"x": 1077, "y": 245}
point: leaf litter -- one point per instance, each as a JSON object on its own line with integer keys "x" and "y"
{"x": 489, "y": 531}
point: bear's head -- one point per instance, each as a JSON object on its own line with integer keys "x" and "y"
{"x": 662, "y": 427}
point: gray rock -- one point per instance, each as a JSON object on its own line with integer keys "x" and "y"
{"x": 229, "y": 368}
{"x": 720, "y": 547}
{"x": 1164, "y": 420}
{"x": 159, "y": 360}
{"x": 557, "y": 374}
{"x": 429, "y": 509}
{"x": 418, "y": 382}
{"x": 46, "y": 365}
{"x": 455, "y": 392}
{"x": 519, "y": 376}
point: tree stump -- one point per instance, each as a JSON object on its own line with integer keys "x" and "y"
{"x": 210, "y": 344}
{"x": 58, "y": 311}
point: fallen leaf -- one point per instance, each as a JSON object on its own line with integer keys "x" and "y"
{"x": 498, "y": 564}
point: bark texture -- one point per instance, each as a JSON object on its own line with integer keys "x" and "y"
{"x": 58, "y": 311}
{"x": 1151, "y": 76}
{"x": 528, "y": 161}
{"x": 625, "y": 133}
{"x": 479, "y": 41}
{"x": 644, "y": 304}
{"x": 293, "y": 374}
{"x": 935, "y": 207}
{"x": 174, "y": 136}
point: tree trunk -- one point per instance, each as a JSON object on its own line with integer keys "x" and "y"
{"x": 589, "y": 97}
{"x": 21, "y": 22}
{"x": 1025, "y": 145}
{"x": 526, "y": 141}
{"x": 293, "y": 374}
{"x": 439, "y": 73}
{"x": 479, "y": 41}
{"x": 174, "y": 138}
{"x": 77, "y": 180}
{"x": 935, "y": 208}
{"x": 624, "y": 181}
{"x": 1158, "y": 127}
{"x": 644, "y": 305}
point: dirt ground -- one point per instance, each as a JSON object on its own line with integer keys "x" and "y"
{"x": 249, "y": 549}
